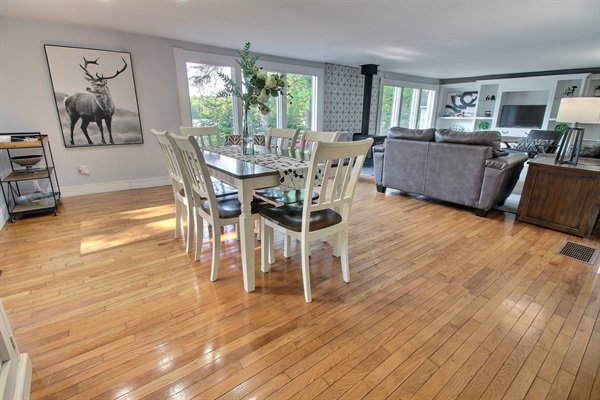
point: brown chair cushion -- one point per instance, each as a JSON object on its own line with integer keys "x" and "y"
{"x": 230, "y": 206}
{"x": 290, "y": 217}
{"x": 279, "y": 196}
{"x": 223, "y": 189}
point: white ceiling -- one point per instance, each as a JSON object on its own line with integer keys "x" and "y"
{"x": 429, "y": 38}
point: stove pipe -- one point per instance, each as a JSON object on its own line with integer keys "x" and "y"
{"x": 368, "y": 70}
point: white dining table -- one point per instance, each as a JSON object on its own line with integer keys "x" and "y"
{"x": 246, "y": 177}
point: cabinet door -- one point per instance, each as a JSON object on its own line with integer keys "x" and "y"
{"x": 560, "y": 198}
{"x": 10, "y": 358}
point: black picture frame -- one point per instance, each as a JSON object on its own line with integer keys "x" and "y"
{"x": 95, "y": 96}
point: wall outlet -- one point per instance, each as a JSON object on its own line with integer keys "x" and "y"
{"x": 84, "y": 170}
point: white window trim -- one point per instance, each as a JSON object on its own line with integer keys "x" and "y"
{"x": 415, "y": 85}
{"x": 183, "y": 56}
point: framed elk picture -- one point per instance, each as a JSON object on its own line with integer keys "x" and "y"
{"x": 95, "y": 96}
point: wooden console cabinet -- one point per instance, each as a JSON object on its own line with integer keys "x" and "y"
{"x": 561, "y": 197}
{"x": 15, "y": 374}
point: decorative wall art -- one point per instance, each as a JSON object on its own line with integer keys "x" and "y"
{"x": 95, "y": 96}
{"x": 461, "y": 104}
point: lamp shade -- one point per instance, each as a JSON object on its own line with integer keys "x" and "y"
{"x": 585, "y": 110}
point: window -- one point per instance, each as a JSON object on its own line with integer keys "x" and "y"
{"x": 301, "y": 110}
{"x": 205, "y": 107}
{"x": 408, "y": 107}
{"x": 198, "y": 84}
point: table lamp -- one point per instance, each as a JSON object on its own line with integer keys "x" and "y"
{"x": 584, "y": 110}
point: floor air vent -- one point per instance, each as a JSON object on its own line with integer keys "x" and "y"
{"x": 579, "y": 252}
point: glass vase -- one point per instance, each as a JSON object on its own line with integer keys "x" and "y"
{"x": 247, "y": 136}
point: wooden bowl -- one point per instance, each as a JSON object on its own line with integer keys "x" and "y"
{"x": 26, "y": 160}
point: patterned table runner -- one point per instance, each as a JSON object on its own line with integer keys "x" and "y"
{"x": 291, "y": 171}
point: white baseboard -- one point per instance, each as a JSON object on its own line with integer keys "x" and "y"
{"x": 70, "y": 191}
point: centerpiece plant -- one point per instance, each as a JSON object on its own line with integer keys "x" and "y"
{"x": 256, "y": 89}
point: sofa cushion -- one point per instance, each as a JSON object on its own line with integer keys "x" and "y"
{"x": 425, "y": 135}
{"x": 480, "y": 138}
{"x": 405, "y": 164}
{"x": 531, "y": 145}
{"x": 455, "y": 172}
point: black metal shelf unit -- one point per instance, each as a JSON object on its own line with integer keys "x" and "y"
{"x": 28, "y": 198}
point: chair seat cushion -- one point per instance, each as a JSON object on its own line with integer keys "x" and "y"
{"x": 276, "y": 195}
{"x": 230, "y": 206}
{"x": 290, "y": 217}
{"x": 223, "y": 189}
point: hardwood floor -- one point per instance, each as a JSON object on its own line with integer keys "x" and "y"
{"x": 442, "y": 304}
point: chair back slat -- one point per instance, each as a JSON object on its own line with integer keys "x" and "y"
{"x": 196, "y": 176}
{"x": 284, "y": 139}
{"x": 343, "y": 162}
{"x": 168, "y": 154}
{"x": 205, "y": 136}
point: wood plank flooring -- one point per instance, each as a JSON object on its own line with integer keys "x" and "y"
{"x": 441, "y": 305}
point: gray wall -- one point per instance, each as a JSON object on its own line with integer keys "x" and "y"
{"x": 27, "y": 101}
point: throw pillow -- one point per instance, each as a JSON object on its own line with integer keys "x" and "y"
{"x": 592, "y": 151}
{"x": 531, "y": 145}
{"x": 231, "y": 140}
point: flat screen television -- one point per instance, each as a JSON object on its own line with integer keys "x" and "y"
{"x": 522, "y": 116}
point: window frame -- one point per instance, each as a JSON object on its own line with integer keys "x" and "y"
{"x": 396, "y": 112}
{"x": 182, "y": 57}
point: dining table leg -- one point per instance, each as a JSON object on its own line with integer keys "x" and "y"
{"x": 246, "y": 226}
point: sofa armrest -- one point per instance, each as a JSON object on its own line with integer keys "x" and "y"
{"x": 378, "y": 148}
{"x": 501, "y": 176}
{"x": 378, "y": 154}
{"x": 506, "y": 162}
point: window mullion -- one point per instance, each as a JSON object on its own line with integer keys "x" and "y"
{"x": 414, "y": 115}
{"x": 282, "y": 109}
{"x": 237, "y": 103}
{"x": 396, "y": 107}
{"x": 315, "y": 99}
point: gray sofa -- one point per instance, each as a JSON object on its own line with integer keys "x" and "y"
{"x": 466, "y": 168}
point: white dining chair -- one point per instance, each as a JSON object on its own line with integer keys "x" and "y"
{"x": 284, "y": 139}
{"x": 206, "y": 136}
{"x": 216, "y": 211}
{"x": 181, "y": 199}
{"x": 328, "y": 215}
{"x": 278, "y": 196}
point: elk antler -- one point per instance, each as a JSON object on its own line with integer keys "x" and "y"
{"x": 117, "y": 73}
{"x": 84, "y": 68}
{"x": 100, "y": 77}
